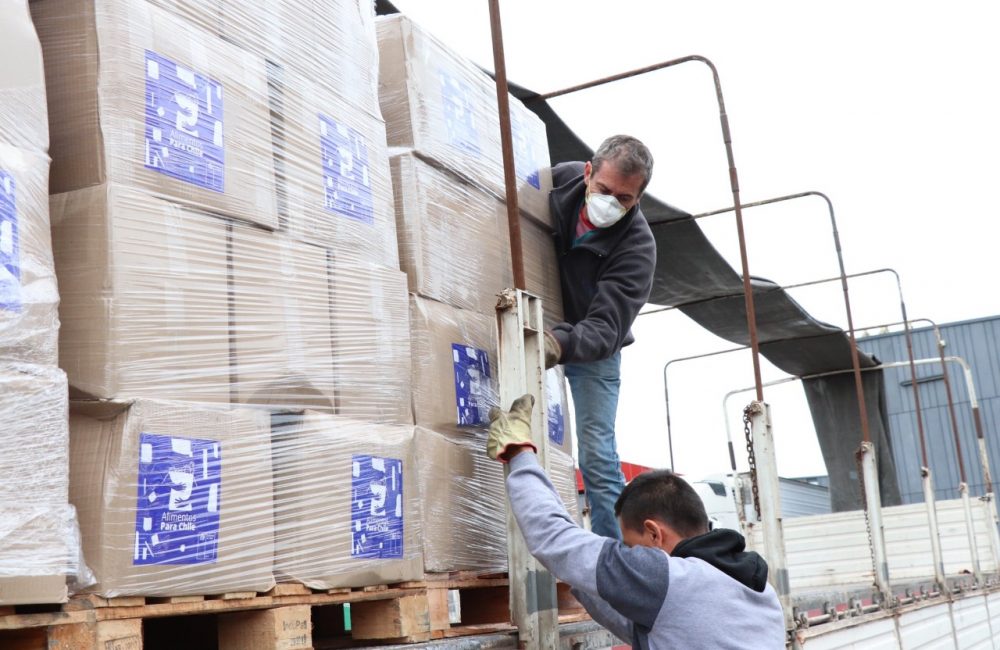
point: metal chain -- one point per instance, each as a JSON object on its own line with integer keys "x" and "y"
{"x": 864, "y": 506}
{"x": 747, "y": 412}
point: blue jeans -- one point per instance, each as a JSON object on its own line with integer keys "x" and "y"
{"x": 595, "y": 387}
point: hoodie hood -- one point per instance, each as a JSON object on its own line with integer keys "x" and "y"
{"x": 724, "y": 549}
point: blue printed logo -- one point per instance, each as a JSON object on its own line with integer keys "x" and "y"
{"x": 177, "y": 512}
{"x": 555, "y": 415}
{"x": 10, "y": 255}
{"x": 376, "y": 507}
{"x": 527, "y": 150}
{"x": 184, "y": 124}
{"x": 346, "y": 175}
{"x": 459, "y": 114}
{"x": 473, "y": 392}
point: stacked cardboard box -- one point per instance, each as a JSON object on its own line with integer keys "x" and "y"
{"x": 174, "y": 499}
{"x": 37, "y": 538}
{"x": 445, "y": 107}
{"x": 346, "y": 503}
{"x": 447, "y": 170}
{"x": 460, "y": 489}
{"x": 224, "y": 227}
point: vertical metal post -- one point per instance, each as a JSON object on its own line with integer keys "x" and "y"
{"x": 770, "y": 506}
{"x": 970, "y": 528}
{"x": 876, "y": 530}
{"x": 521, "y": 361}
{"x": 932, "y": 522}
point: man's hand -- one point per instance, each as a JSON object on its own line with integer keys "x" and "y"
{"x": 553, "y": 351}
{"x": 510, "y": 432}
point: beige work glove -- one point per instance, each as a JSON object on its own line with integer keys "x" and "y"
{"x": 510, "y": 430}
{"x": 553, "y": 351}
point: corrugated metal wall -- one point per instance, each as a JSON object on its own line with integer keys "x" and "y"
{"x": 978, "y": 342}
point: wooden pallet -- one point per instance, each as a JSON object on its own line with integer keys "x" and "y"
{"x": 289, "y": 617}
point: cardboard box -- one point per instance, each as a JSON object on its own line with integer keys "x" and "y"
{"x": 346, "y": 509}
{"x": 282, "y": 332}
{"x": 445, "y": 107}
{"x": 145, "y": 296}
{"x": 371, "y": 342}
{"x": 333, "y": 171}
{"x": 562, "y": 473}
{"x": 558, "y": 415}
{"x": 206, "y": 15}
{"x": 541, "y": 269}
{"x": 34, "y": 438}
{"x": 173, "y": 499}
{"x": 37, "y": 541}
{"x": 29, "y": 298}
{"x": 454, "y": 367}
{"x": 453, "y": 240}
{"x": 331, "y": 42}
{"x": 23, "y": 119}
{"x": 460, "y": 487}
{"x": 139, "y": 96}
{"x": 36, "y": 553}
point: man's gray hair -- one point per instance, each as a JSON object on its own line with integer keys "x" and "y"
{"x": 629, "y": 155}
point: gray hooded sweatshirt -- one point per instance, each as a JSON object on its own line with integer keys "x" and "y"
{"x": 709, "y": 594}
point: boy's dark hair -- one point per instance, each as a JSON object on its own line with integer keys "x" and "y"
{"x": 665, "y": 497}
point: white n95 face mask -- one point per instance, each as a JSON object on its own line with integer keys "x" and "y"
{"x": 603, "y": 210}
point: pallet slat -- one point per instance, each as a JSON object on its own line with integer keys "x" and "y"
{"x": 288, "y": 617}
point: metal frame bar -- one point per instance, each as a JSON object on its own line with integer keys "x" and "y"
{"x": 521, "y": 361}
{"x": 732, "y": 456}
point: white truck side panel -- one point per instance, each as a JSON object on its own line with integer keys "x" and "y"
{"x": 927, "y": 628}
{"x": 832, "y": 551}
{"x": 972, "y": 624}
{"x": 879, "y": 634}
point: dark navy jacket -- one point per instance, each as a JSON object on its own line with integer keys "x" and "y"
{"x": 605, "y": 280}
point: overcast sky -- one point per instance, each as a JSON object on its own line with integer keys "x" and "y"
{"x": 890, "y": 108}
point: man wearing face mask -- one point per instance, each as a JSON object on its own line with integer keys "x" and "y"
{"x": 606, "y": 257}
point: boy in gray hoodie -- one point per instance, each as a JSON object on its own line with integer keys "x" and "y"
{"x": 672, "y": 583}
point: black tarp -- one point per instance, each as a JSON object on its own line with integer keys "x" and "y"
{"x": 692, "y": 276}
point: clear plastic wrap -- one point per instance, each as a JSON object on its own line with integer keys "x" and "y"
{"x": 138, "y": 96}
{"x": 346, "y": 504}
{"x": 39, "y": 540}
{"x": 454, "y": 366}
{"x": 235, "y": 258}
{"x": 464, "y": 502}
{"x": 173, "y": 498}
{"x": 28, "y": 294}
{"x": 445, "y": 107}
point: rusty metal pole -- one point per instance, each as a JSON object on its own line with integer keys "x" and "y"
{"x": 733, "y": 182}
{"x": 507, "y": 146}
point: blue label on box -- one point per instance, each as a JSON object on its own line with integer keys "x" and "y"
{"x": 177, "y": 513}
{"x": 10, "y": 254}
{"x": 528, "y": 156}
{"x": 459, "y": 114}
{"x": 376, "y": 507}
{"x": 346, "y": 175}
{"x": 184, "y": 124}
{"x": 553, "y": 397}
{"x": 472, "y": 385}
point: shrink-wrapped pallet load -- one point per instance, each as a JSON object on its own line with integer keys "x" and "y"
{"x": 39, "y": 540}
